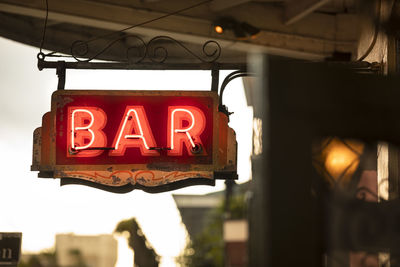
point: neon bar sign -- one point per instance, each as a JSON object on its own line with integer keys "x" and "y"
{"x": 87, "y": 138}
{"x": 151, "y": 138}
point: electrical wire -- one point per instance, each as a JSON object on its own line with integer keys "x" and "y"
{"x": 236, "y": 74}
{"x": 130, "y": 27}
{"x": 45, "y": 26}
{"x": 229, "y": 78}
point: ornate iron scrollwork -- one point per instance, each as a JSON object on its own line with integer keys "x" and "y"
{"x": 139, "y": 55}
{"x": 154, "y": 51}
{"x": 80, "y": 49}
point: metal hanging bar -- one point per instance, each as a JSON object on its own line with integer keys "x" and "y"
{"x": 43, "y": 64}
{"x": 62, "y": 66}
{"x": 61, "y": 73}
{"x": 214, "y": 79}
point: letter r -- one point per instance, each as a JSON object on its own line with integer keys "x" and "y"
{"x": 185, "y": 125}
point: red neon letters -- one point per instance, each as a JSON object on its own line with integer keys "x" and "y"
{"x": 85, "y": 126}
{"x": 86, "y": 138}
{"x": 134, "y": 131}
{"x": 185, "y": 124}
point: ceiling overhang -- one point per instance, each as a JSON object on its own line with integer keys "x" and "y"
{"x": 301, "y": 34}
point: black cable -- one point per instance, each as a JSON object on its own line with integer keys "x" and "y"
{"x": 136, "y": 25}
{"x": 229, "y": 78}
{"x": 45, "y": 27}
{"x": 236, "y": 74}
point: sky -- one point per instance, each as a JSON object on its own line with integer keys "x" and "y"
{"x": 40, "y": 208}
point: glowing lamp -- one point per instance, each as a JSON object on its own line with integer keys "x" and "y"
{"x": 218, "y": 29}
{"x": 338, "y": 159}
{"x": 241, "y": 30}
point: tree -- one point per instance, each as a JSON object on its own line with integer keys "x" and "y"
{"x": 33, "y": 261}
{"x": 43, "y": 259}
{"x": 145, "y": 256}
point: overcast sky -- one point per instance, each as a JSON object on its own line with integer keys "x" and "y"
{"x": 40, "y": 208}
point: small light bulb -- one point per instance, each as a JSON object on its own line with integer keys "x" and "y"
{"x": 218, "y": 29}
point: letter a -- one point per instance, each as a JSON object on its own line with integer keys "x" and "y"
{"x": 185, "y": 125}
{"x": 85, "y": 133}
{"x": 134, "y": 120}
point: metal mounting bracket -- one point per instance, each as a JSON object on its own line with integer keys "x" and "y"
{"x": 61, "y": 72}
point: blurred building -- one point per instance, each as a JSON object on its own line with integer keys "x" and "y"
{"x": 196, "y": 212}
{"x": 90, "y": 251}
{"x": 194, "y": 209}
